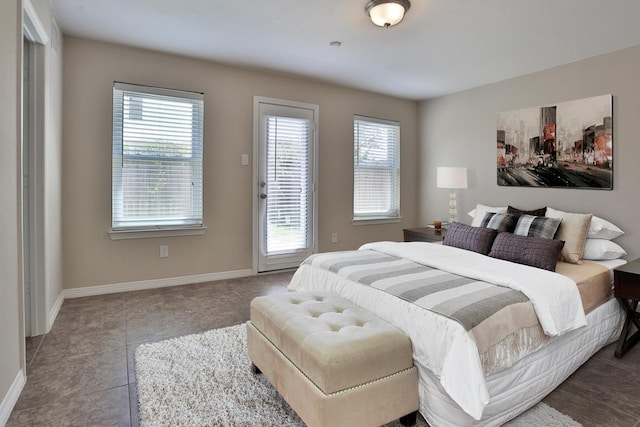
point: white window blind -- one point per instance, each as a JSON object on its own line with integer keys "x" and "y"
{"x": 287, "y": 170}
{"x": 157, "y": 158}
{"x": 376, "y": 168}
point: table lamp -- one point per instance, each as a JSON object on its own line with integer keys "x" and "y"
{"x": 452, "y": 178}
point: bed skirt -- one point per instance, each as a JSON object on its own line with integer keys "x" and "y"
{"x": 519, "y": 387}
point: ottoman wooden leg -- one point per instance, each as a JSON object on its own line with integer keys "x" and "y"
{"x": 409, "y": 419}
{"x": 255, "y": 369}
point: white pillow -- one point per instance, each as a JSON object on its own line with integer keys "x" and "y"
{"x": 602, "y": 249}
{"x": 603, "y": 229}
{"x": 481, "y": 210}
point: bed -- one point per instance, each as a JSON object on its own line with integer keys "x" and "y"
{"x": 527, "y": 329}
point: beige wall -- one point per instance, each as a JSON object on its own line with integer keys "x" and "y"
{"x": 460, "y": 130}
{"x": 92, "y": 258}
{"x": 11, "y": 356}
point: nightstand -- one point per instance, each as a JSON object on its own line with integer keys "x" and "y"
{"x": 424, "y": 234}
{"x": 626, "y": 280}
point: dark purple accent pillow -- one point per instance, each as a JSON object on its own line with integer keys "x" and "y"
{"x": 476, "y": 239}
{"x": 533, "y": 212}
{"x": 533, "y": 251}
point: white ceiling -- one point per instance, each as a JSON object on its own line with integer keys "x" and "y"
{"x": 442, "y": 46}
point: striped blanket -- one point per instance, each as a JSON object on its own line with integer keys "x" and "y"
{"x": 465, "y": 300}
{"x": 501, "y": 320}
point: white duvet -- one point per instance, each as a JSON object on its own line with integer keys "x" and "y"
{"x": 441, "y": 344}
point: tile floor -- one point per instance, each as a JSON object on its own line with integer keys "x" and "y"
{"x": 82, "y": 373}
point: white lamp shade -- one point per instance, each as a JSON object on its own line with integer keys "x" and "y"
{"x": 451, "y": 177}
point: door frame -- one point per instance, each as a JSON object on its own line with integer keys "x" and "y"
{"x": 255, "y": 193}
{"x": 35, "y": 33}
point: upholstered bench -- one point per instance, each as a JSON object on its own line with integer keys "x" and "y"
{"x": 335, "y": 363}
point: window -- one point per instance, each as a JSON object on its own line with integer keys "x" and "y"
{"x": 157, "y": 158}
{"x": 376, "y": 169}
{"x": 287, "y": 159}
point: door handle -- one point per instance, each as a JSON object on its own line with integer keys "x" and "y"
{"x": 263, "y": 196}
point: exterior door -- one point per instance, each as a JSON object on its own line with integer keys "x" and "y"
{"x": 285, "y": 185}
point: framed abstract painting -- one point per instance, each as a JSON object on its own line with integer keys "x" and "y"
{"x": 566, "y": 145}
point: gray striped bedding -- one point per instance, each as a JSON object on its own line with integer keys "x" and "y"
{"x": 501, "y": 320}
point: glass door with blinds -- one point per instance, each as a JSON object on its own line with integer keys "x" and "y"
{"x": 285, "y": 186}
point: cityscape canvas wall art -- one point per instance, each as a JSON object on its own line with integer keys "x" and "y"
{"x": 566, "y": 145}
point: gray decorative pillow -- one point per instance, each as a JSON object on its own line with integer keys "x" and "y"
{"x": 499, "y": 222}
{"x": 532, "y": 212}
{"x": 533, "y": 251}
{"x": 537, "y": 226}
{"x": 476, "y": 239}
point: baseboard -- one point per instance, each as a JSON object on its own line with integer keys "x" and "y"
{"x": 53, "y": 313}
{"x": 88, "y": 291}
{"x": 11, "y": 397}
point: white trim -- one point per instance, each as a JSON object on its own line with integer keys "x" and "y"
{"x": 151, "y": 233}
{"x": 56, "y": 35}
{"x": 35, "y": 32}
{"x": 143, "y": 89}
{"x": 10, "y": 399}
{"x": 376, "y": 120}
{"x": 53, "y": 313}
{"x": 37, "y": 134}
{"x": 154, "y": 283}
{"x": 31, "y": 24}
{"x": 255, "y": 206}
{"x": 375, "y": 220}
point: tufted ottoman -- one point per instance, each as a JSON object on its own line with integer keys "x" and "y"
{"x": 335, "y": 363}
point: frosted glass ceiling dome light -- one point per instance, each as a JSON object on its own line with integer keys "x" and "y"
{"x": 387, "y": 13}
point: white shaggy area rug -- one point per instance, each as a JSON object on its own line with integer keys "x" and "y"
{"x": 206, "y": 380}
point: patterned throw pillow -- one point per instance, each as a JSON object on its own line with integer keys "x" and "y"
{"x": 481, "y": 210}
{"x": 532, "y": 212}
{"x": 476, "y": 239}
{"x": 499, "y": 222}
{"x": 533, "y": 251}
{"x": 537, "y": 226}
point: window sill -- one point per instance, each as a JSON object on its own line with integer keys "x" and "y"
{"x": 154, "y": 233}
{"x": 376, "y": 220}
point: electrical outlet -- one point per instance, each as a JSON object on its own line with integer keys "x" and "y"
{"x": 334, "y": 237}
{"x": 164, "y": 251}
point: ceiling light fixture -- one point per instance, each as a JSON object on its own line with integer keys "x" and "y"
{"x": 387, "y": 13}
